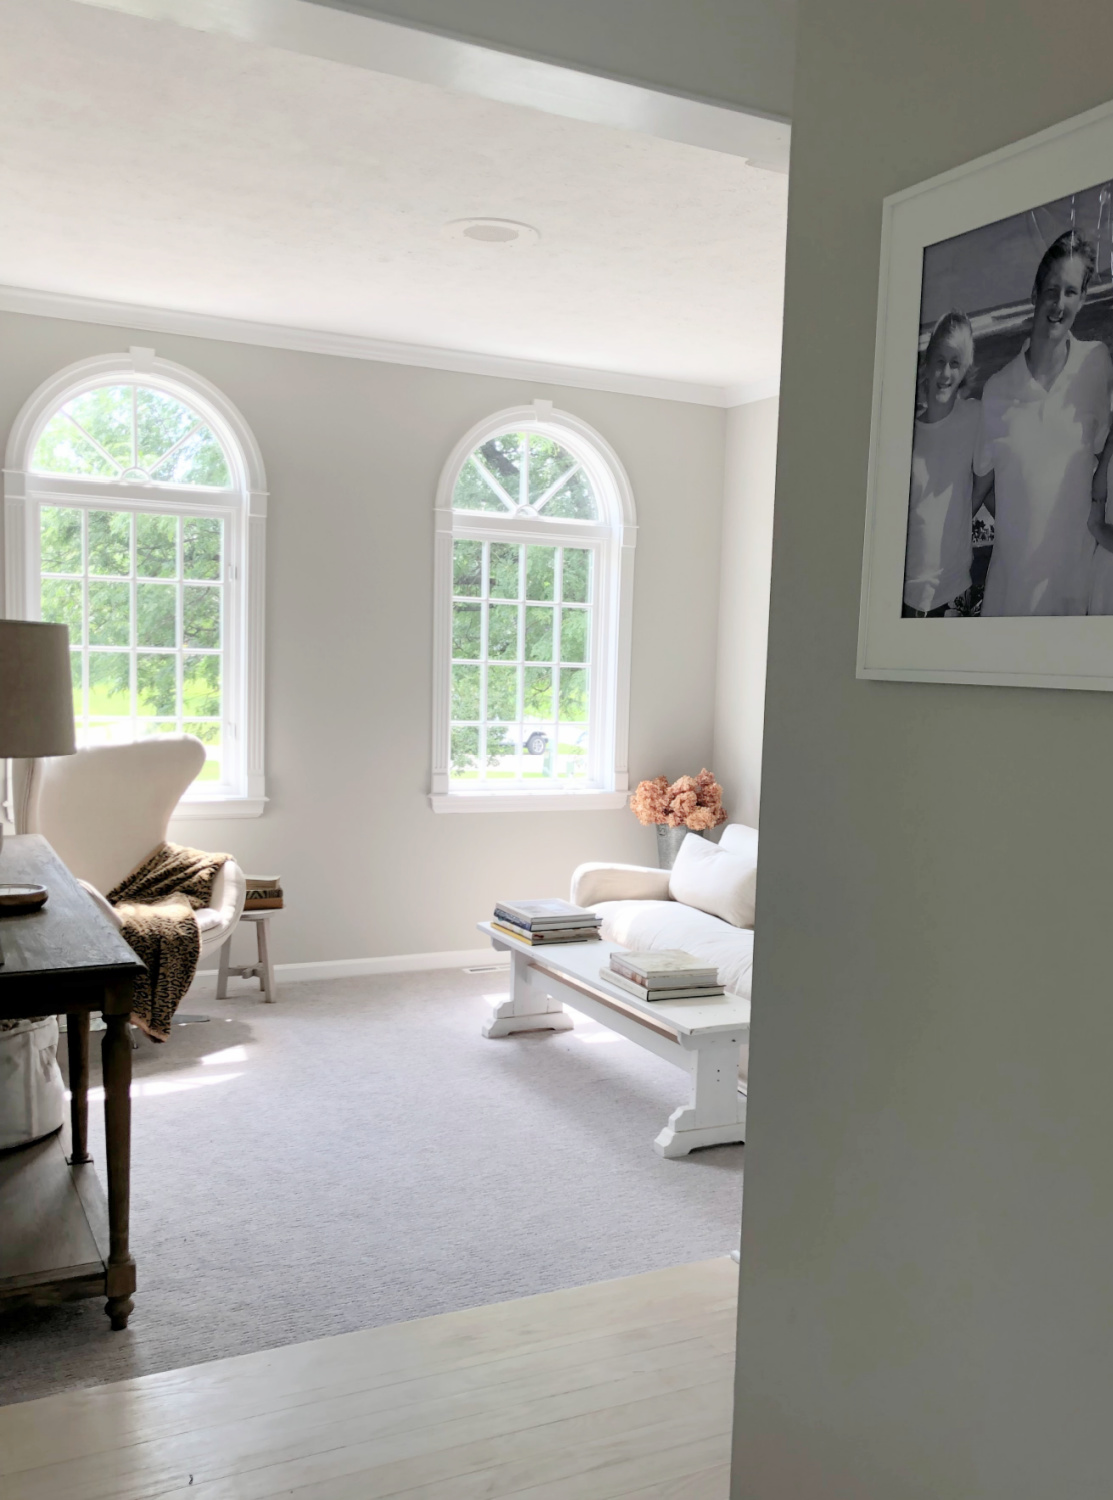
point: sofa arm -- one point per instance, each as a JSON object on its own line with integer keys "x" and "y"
{"x": 592, "y": 883}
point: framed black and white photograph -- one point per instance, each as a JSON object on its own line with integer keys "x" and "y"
{"x": 989, "y": 528}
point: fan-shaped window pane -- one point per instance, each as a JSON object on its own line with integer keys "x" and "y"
{"x": 135, "y": 433}
{"x": 502, "y": 458}
{"x": 105, "y": 415}
{"x": 161, "y": 422}
{"x": 198, "y": 460}
{"x": 64, "y": 449}
{"x": 548, "y": 461}
{"x": 554, "y": 486}
{"x": 475, "y": 491}
{"x": 574, "y": 500}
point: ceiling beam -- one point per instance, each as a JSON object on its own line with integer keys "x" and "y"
{"x": 360, "y": 40}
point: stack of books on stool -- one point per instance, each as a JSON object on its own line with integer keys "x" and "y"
{"x": 550, "y": 921}
{"x": 671, "y": 974}
{"x": 264, "y": 893}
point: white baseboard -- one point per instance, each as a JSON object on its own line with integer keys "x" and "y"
{"x": 354, "y": 968}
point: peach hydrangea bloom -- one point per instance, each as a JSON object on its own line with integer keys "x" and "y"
{"x": 695, "y": 801}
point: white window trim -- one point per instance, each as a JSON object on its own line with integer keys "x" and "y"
{"x": 613, "y": 605}
{"x": 245, "y": 503}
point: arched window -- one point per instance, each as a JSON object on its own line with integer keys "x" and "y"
{"x": 134, "y": 511}
{"x": 535, "y": 539}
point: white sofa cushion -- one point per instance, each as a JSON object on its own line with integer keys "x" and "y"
{"x": 739, "y": 838}
{"x": 718, "y": 880}
{"x": 649, "y": 926}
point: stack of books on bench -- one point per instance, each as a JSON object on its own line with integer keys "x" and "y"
{"x": 548, "y": 921}
{"x": 671, "y": 974}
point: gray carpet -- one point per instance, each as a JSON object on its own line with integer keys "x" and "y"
{"x": 362, "y": 1156}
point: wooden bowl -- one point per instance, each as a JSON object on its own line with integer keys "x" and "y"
{"x": 22, "y": 897}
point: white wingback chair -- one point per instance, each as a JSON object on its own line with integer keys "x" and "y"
{"x": 103, "y": 810}
{"x": 107, "y": 807}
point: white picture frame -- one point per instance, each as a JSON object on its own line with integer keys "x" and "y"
{"x": 1063, "y": 651}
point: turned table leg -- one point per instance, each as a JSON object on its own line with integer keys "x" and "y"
{"x": 116, "y": 1065}
{"x": 77, "y": 1045}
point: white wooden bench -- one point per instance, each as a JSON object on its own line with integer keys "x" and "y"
{"x": 703, "y": 1037}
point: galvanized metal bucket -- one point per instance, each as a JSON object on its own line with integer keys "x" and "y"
{"x": 669, "y": 841}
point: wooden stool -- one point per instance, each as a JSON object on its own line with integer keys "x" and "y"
{"x": 263, "y": 970}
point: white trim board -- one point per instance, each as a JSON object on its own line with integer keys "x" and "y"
{"x": 406, "y": 51}
{"x": 356, "y": 968}
{"x": 130, "y": 316}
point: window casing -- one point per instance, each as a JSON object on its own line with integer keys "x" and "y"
{"x": 135, "y": 508}
{"x": 534, "y": 574}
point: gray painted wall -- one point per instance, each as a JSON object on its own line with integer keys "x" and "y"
{"x": 735, "y": 52}
{"x": 353, "y": 451}
{"x": 747, "y": 544}
{"x": 927, "y": 1304}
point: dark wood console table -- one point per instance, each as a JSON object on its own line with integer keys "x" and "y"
{"x": 56, "y": 1239}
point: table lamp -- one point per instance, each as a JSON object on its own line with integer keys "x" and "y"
{"x": 36, "y": 692}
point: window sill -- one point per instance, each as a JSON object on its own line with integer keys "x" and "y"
{"x": 475, "y": 802}
{"x": 191, "y": 809}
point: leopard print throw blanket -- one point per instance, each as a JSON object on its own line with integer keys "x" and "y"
{"x": 156, "y": 902}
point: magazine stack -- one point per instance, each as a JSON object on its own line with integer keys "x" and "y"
{"x": 550, "y": 921}
{"x": 671, "y": 974}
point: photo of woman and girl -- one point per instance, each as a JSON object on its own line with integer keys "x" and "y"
{"x": 1009, "y": 484}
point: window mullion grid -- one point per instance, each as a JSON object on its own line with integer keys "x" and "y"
{"x": 88, "y": 493}
{"x": 484, "y": 632}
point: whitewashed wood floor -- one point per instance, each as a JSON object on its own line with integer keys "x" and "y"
{"x": 621, "y": 1389}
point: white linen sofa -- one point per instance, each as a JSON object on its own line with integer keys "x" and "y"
{"x": 641, "y": 910}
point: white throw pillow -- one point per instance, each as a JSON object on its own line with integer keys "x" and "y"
{"x": 717, "y": 880}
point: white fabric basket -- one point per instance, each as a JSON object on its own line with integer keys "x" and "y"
{"x": 32, "y": 1093}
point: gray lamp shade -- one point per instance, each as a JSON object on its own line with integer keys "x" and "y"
{"x": 36, "y": 690}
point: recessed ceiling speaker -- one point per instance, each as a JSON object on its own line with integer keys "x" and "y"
{"x": 491, "y": 232}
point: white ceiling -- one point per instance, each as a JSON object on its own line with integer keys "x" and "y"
{"x": 147, "y": 164}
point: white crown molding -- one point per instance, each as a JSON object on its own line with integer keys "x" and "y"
{"x": 745, "y": 392}
{"x": 127, "y": 316}
{"x": 360, "y": 40}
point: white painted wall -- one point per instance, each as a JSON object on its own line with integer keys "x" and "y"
{"x": 747, "y": 547}
{"x": 926, "y": 1298}
{"x": 353, "y": 451}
